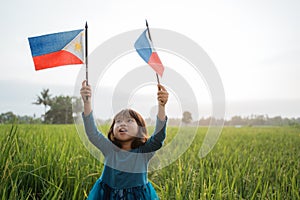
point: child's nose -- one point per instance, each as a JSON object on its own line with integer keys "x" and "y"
{"x": 122, "y": 122}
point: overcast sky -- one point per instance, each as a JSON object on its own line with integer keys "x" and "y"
{"x": 254, "y": 44}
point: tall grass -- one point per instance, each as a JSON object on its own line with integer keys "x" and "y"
{"x": 45, "y": 162}
{"x": 246, "y": 163}
{"x": 50, "y": 162}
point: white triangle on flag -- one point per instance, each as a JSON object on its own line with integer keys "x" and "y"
{"x": 76, "y": 46}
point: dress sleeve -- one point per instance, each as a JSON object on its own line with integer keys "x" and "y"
{"x": 156, "y": 141}
{"x": 94, "y": 135}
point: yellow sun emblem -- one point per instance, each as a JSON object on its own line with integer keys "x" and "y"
{"x": 77, "y": 46}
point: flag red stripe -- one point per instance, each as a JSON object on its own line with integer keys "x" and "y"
{"x": 156, "y": 64}
{"x": 55, "y": 59}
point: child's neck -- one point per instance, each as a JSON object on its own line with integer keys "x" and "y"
{"x": 126, "y": 146}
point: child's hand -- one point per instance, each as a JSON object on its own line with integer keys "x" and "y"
{"x": 86, "y": 92}
{"x": 162, "y": 95}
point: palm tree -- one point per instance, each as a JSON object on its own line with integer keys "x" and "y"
{"x": 44, "y": 99}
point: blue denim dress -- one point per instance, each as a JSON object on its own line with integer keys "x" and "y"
{"x": 101, "y": 190}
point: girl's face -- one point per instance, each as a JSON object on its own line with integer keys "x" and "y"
{"x": 125, "y": 128}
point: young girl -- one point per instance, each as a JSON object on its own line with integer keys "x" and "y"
{"x": 127, "y": 150}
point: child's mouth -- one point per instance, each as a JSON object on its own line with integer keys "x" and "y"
{"x": 123, "y": 130}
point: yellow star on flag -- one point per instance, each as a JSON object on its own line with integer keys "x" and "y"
{"x": 77, "y": 46}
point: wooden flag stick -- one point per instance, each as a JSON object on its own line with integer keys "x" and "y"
{"x": 157, "y": 78}
{"x": 86, "y": 54}
{"x": 149, "y": 35}
{"x": 86, "y": 57}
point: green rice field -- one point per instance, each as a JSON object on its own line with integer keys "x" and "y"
{"x": 50, "y": 162}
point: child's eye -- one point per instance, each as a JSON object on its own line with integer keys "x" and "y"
{"x": 130, "y": 120}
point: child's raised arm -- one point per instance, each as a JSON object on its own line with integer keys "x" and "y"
{"x": 162, "y": 97}
{"x": 86, "y": 93}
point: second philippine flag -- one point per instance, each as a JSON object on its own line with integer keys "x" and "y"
{"x": 57, "y": 49}
{"x": 147, "y": 52}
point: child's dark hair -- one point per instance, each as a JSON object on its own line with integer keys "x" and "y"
{"x": 142, "y": 134}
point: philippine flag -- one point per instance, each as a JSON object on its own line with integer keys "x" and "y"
{"x": 146, "y": 50}
{"x": 57, "y": 49}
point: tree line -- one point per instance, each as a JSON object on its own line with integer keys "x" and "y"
{"x": 253, "y": 120}
{"x": 58, "y": 110}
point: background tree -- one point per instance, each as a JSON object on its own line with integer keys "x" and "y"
{"x": 238, "y": 121}
{"x": 60, "y": 111}
{"x": 45, "y": 99}
{"x": 8, "y": 118}
{"x": 187, "y": 117}
{"x": 77, "y": 106}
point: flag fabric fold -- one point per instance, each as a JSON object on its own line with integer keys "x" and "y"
{"x": 57, "y": 49}
{"x": 145, "y": 49}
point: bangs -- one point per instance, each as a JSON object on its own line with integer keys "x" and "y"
{"x": 123, "y": 114}
{"x": 129, "y": 113}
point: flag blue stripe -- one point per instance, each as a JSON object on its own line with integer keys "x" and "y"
{"x": 143, "y": 47}
{"x": 50, "y": 43}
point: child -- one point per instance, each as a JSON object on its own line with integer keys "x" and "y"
{"x": 127, "y": 150}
